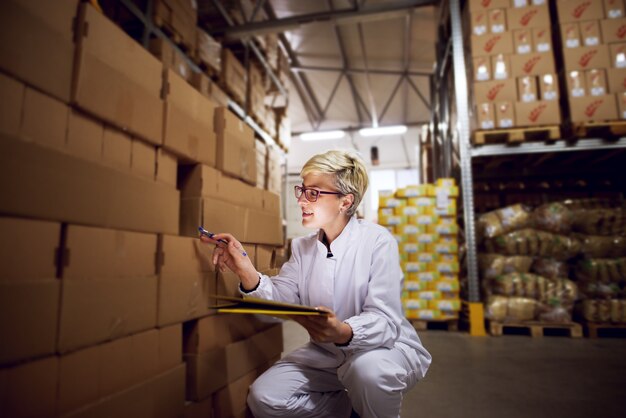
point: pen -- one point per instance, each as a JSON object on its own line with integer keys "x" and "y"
{"x": 223, "y": 241}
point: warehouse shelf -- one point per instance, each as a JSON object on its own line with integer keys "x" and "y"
{"x": 587, "y": 144}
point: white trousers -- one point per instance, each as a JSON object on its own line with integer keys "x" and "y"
{"x": 372, "y": 382}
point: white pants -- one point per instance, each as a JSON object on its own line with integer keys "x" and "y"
{"x": 372, "y": 382}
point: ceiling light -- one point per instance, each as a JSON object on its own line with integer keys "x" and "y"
{"x": 318, "y": 136}
{"x": 383, "y": 130}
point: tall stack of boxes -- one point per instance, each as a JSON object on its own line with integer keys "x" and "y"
{"x": 593, "y": 36}
{"x": 514, "y": 73}
{"x": 422, "y": 218}
{"x": 102, "y": 290}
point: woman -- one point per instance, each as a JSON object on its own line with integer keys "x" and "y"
{"x": 364, "y": 355}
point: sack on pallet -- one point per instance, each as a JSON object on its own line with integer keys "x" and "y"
{"x": 501, "y": 221}
{"x": 555, "y": 313}
{"x": 591, "y": 203}
{"x": 550, "y": 268}
{"x": 604, "y": 310}
{"x": 598, "y": 246}
{"x": 536, "y": 243}
{"x": 506, "y": 309}
{"x": 603, "y": 270}
{"x": 553, "y": 217}
{"x": 600, "y": 290}
{"x": 494, "y": 265}
{"x": 600, "y": 221}
{"x": 549, "y": 291}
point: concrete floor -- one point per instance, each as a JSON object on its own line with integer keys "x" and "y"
{"x": 513, "y": 376}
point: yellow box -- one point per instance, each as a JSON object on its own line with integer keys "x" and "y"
{"x": 409, "y": 210}
{"x": 428, "y": 276}
{"x": 413, "y": 191}
{"x": 421, "y": 201}
{"x": 413, "y": 267}
{"x": 427, "y": 238}
{"x": 386, "y": 212}
{"x": 428, "y": 257}
{"x": 413, "y": 304}
{"x": 452, "y": 191}
{"x": 386, "y": 193}
{"x": 400, "y": 238}
{"x": 411, "y": 247}
{"x": 445, "y": 285}
{"x": 425, "y": 220}
{"x": 447, "y": 305}
{"x": 444, "y": 267}
{"x": 414, "y": 286}
{"x": 409, "y": 229}
{"x": 422, "y": 314}
{"x": 390, "y": 202}
{"x": 443, "y": 229}
{"x": 392, "y": 220}
{"x": 449, "y": 295}
{"x": 404, "y": 257}
{"x": 445, "y": 182}
{"x": 430, "y": 294}
{"x": 449, "y": 276}
{"x": 449, "y": 258}
{"x": 443, "y": 248}
{"x": 448, "y": 211}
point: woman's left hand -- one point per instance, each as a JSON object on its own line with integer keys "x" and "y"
{"x": 325, "y": 328}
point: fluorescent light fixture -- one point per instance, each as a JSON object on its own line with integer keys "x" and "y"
{"x": 319, "y": 136}
{"x": 383, "y": 130}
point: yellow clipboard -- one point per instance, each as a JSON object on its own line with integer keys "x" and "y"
{"x": 252, "y": 305}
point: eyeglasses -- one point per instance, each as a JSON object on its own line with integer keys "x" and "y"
{"x": 310, "y": 194}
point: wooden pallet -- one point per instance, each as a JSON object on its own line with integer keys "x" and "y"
{"x": 611, "y": 129}
{"x": 185, "y": 44}
{"x": 516, "y": 135}
{"x": 602, "y": 329}
{"x": 535, "y": 329}
{"x": 448, "y": 324}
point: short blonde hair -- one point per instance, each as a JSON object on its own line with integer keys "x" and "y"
{"x": 348, "y": 169}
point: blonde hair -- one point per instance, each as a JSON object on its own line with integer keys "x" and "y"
{"x": 348, "y": 169}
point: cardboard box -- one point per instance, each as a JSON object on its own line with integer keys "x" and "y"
{"x": 548, "y": 87}
{"x": 527, "y": 89}
{"x": 116, "y": 79}
{"x": 143, "y": 159}
{"x": 170, "y": 347}
{"x": 188, "y": 124}
{"x": 186, "y": 279}
{"x": 79, "y": 379}
{"x": 542, "y": 39}
{"x": 209, "y": 371}
{"x": 227, "y": 285}
{"x": 478, "y": 22}
{"x": 613, "y": 30}
{"x": 497, "y": 20}
{"x": 264, "y": 227}
{"x": 11, "y": 105}
{"x": 30, "y": 389}
{"x": 492, "y": 44}
{"x": 590, "y": 33}
{"x": 100, "y": 196}
{"x": 579, "y": 10}
{"x": 532, "y": 64}
{"x": 614, "y": 9}
{"x": 160, "y": 397}
{"x": 505, "y": 116}
{"x": 44, "y": 120}
{"x": 236, "y": 154}
{"x": 219, "y": 215}
{"x": 264, "y": 257}
{"x": 475, "y": 5}
{"x": 528, "y": 17}
{"x": 596, "y": 81}
{"x": 576, "y": 83}
{"x": 170, "y": 58}
{"x": 482, "y": 70}
{"x": 523, "y": 41}
{"x": 485, "y": 115}
{"x": 232, "y": 399}
{"x": 501, "y": 67}
{"x": 233, "y": 76}
{"x": 617, "y": 80}
{"x": 218, "y": 331}
{"x": 116, "y": 149}
{"x": 29, "y": 314}
{"x": 208, "y": 51}
{"x": 586, "y": 57}
{"x": 570, "y": 35}
{"x": 593, "y": 108}
{"x": 43, "y": 27}
{"x": 84, "y": 137}
{"x": 200, "y": 409}
{"x": 537, "y": 113}
{"x": 621, "y": 105}
{"x": 618, "y": 55}
{"x": 166, "y": 168}
{"x": 492, "y": 91}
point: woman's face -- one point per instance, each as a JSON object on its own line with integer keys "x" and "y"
{"x": 325, "y": 211}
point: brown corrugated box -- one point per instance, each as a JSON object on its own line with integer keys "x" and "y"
{"x": 214, "y": 214}
{"x": 492, "y": 91}
{"x": 30, "y": 389}
{"x": 579, "y": 10}
{"x": 478, "y": 22}
{"x": 231, "y": 400}
{"x": 188, "y": 124}
{"x": 44, "y": 120}
{"x": 233, "y": 75}
{"x": 186, "y": 278}
{"x": 590, "y": 33}
{"x": 116, "y": 149}
{"x": 542, "y": 39}
{"x": 84, "y": 137}
{"x": 532, "y": 64}
{"x": 570, "y": 35}
{"x": 614, "y": 9}
{"x": 488, "y": 4}
{"x": 40, "y": 48}
{"x": 492, "y": 44}
{"x": 617, "y": 55}
{"x": 528, "y": 17}
{"x": 523, "y": 41}
{"x": 115, "y": 78}
{"x": 143, "y": 159}
{"x": 109, "y": 285}
{"x": 482, "y": 69}
{"x": 166, "y": 168}
{"x": 100, "y": 196}
{"x": 537, "y": 113}
{"x": 586, "y": 57}
{"x": 200, "y": 409}
{"x": 596, "y": 81}
{"x": 505, "y": 114}
{"x": 170, "y": 58}
{"x": 548, "y": 87}
{"x": 527, "y": 89}
{"x": 264, "y": 257}
{"x": 593, "y": 108}
{"x": 236, "y": 154}
{"x": 617, "y": 80}
{"x": 485, "y": 116}
{"x": 228, "y": 282}
{"x": 576, "y": 83}
{"x": 621, "y": 105}
{"x": 613, "y": 30}
{"x": 11, "y": 104}
{"x": 497, "y": 20}
{"x": 501, "y": 67}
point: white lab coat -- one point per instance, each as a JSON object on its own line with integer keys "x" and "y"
{"x": 361, "y": 283}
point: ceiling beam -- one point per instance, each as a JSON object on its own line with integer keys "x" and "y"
{"x": 419, "y": 93}
{"x": 368, "y": 84}
{"x": 330, "y": 100}
{"x": 376, "y": 71}
{"x": 393, "y": 94}
{"x": 335, "y": 16}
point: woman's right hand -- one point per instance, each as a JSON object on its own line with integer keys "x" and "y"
{"x": 234, "y": 257}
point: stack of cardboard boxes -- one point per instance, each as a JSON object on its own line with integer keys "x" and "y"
{"x": 98, "y": 287}
{"x": 514, "y": 73}
{"x": 179, "y": 17}
{"x": 593, "y": 35}
{"x": 423, "y": 221}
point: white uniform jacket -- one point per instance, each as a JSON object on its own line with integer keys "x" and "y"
{"x": 361, "y": 283}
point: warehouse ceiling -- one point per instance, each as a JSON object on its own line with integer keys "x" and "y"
{"x": 354, "y": 63}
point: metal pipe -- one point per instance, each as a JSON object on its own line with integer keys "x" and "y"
{"x": 377, "y": 71}
{"x": 419, "y": 93}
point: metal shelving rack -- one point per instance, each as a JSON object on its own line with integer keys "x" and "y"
{"x": 452, "y": 151}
